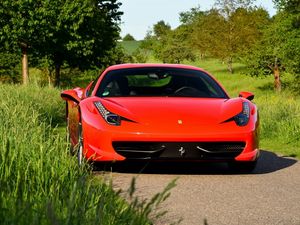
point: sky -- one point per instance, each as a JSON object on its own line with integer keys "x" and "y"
{"x": 140, "y": 15}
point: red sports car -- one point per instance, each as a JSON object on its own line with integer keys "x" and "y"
{"x": 161, "y": 112}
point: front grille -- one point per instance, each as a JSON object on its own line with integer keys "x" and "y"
{"x": 188, "y": 150}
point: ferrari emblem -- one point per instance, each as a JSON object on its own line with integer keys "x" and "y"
{"x": 182, "y": 151}
{"x": 179, "y": 121}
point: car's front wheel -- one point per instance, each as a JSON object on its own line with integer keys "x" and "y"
{"x": 242, "y": 167}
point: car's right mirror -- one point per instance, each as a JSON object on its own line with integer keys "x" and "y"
{"x": 247, "y": 95}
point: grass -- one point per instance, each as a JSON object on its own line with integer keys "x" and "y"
{"x": 40, "y": 182}
{"x": 130, "y": 46}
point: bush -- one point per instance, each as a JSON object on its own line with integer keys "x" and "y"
{"x": 10, "y": 67}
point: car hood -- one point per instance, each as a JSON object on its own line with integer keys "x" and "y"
{"x": 169, "y": 110}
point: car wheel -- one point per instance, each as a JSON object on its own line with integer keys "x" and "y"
{"x": 80, "y": 145}
{"x": 242, "y": 167}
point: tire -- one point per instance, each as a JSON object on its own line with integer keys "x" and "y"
{"x": 242, "y": 167}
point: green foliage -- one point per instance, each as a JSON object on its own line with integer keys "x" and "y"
{"x": 279, "y": 47}
{"x": 228, "y": 38}
{"x": 141, "y": 55}
{"x": 81, "y": 33}
{"x": 160, "y": 29}
{"x": 128, "y": 37}
{"x": 117, "y": 55}
{"x": 228, "y": 7}
{"x": 169, "y": 46}
{"x": 190, "y": 16}
{"x": 292, "y": 6}
{"x": 174, "y": 48}
{"x": 130, "y": 46}
{"x": 9, "y": 67}
{"x": 136, "y": 53}
{"x": 41, "y": 182}
{"x": 290, "y": 13}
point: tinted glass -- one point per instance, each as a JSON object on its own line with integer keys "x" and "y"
{"x": 141, "y": 82}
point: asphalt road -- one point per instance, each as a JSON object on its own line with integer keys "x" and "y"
{"x": 209, "y": 192}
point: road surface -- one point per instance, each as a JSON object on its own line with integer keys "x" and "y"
{"x": 207, "y": 193}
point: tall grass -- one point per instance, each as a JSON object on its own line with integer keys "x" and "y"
{"x": 280, "y": 123}
{"x": 40, "y": 183}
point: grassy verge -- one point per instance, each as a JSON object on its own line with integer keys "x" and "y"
{"x": 40, "y": 182}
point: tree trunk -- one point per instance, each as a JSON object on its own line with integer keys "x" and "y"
{"x": 49, "y": 72}
{"x": 277, "y": 82}
{"x": 202, "y": 55}
{"x": 57, "y": 74}
{"x": 276, "y": 72}
{"x": 229, "y": 65}
{"x": 25, "y": 71}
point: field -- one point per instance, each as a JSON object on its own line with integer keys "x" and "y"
{"x": 130, "y": 46}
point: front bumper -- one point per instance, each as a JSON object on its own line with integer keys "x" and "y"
{"x": 118, "y": 145}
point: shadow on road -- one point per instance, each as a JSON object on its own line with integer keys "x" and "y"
{"x": 268, "y": 162}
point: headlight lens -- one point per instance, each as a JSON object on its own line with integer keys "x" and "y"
{"x": 109, "y": 117}
{"x": 242, "y": 118}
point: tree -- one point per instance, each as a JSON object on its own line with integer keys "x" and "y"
{"x": 79, "y": 33}
{"x": 291, "y": 6}
{"x": 174, "y": 47}
{"x": 189, "y": 17}
{"x": 161, "y": 29}
{"x": 279, "y": 49}
{"x": 9, "y": 70}
{"x": 193, "y": 21}
{"x": 228, "y": 7}
{"x": 239, "y": 28}
{"x": 154, "y": 39}
{"x": 167, "y": 45}
{"x": 225, "y": 32}
{"x": 128, "y": 37}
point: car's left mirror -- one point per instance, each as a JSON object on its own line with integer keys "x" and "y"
{"x": 70, "y": 95}
{"x": 247, "y": 95}
{"x": 88, "y": 90}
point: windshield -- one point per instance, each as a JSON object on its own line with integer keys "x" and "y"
{"x": 163, "y": 82}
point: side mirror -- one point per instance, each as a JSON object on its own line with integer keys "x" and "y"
{"x": 247, "y": 95}
{"x": 87, "y": 91}
{"x": 70, "y": 95}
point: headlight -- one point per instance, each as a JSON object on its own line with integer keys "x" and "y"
{"x": 109, "y": 117}
{"x": 242, "y": 118}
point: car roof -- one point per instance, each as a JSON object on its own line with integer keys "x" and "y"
{"x": 153, "y": 65}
